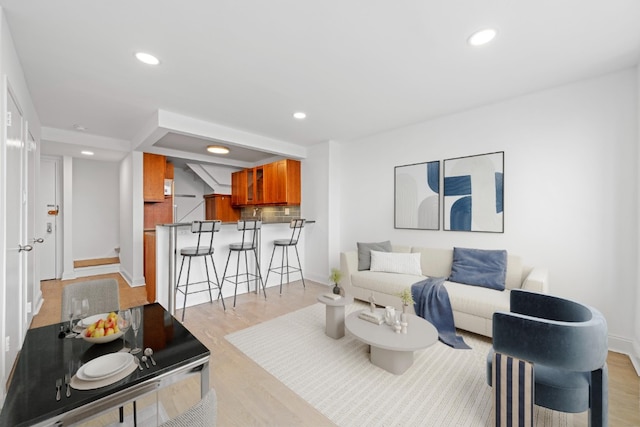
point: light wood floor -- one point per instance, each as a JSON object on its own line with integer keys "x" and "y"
{"x": 248, "y": 395}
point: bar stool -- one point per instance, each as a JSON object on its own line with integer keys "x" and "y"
{"x": 250, "y": 230}
{"x": 296, "y": 227}
{"x": 201, "y": 250}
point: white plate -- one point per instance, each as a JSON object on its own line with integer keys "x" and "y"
{"x": 105, "y": 366}
{"x": 101, "y": 340}
{"x": 88, "y": 321}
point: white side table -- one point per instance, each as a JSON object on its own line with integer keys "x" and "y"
{"x": 334, "y": 323}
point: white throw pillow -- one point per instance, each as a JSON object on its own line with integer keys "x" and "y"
{"x": 395, "y": 262}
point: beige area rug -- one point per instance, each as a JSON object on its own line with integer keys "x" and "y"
{"x": 444, "y": 387}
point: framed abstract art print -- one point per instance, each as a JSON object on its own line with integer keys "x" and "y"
{"x": 417, "y": 196}
{"x": 474, "y": 193}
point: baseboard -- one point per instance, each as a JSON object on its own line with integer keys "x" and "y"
{"x": 96, "y": 270}
{"x": 628, "y": 347}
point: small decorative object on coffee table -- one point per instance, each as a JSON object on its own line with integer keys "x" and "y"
{"x": 335, "y": 277}
{"x": 406, "y": 298}
{"x": 372, "y": 303}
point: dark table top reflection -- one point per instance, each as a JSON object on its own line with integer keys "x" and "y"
{"x": 45, "y": 357}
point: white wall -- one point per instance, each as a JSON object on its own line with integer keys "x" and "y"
{"x": 96, "y": 209}
{"x": 571, "y": 187}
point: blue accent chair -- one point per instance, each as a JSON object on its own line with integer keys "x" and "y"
{"x": 567, "y": 342}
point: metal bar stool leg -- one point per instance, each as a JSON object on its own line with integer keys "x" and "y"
{"x": 271, "y": 262}
{"x": 218, "y": 283}
{"x": 281, "y": 269}
{"x": 186, "y": 290}
{"x": 206, "y": 268}
{"x": 299, "y": 265}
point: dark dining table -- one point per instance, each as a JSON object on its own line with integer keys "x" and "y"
{"x": 46, "y": 357}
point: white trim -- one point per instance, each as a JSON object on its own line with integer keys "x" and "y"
{"x": 95, "y": 270}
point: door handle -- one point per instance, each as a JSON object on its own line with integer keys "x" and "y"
{"x": 26, "y": 248}
{"x": 38, "y": 240}
{"x": 49, "y": 228}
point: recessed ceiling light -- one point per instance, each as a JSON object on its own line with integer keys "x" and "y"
{"x": 87, "y": 153}
{"x": 217, "y": 149}
{"x": 482, "y": 37}
{"x": 299, "y": 115}
{"x": 147, "y": 58}
{"x": 79, "y": 127}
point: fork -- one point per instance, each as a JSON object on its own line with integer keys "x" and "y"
{"x": 67, "y": 381}
{"x": 58, "y": 385}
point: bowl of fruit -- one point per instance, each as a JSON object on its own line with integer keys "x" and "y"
{"x": 103, "y": 330}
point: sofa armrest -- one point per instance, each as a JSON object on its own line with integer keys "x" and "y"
{"x": 348, "y": 265}
{"x": 537, "y": 280}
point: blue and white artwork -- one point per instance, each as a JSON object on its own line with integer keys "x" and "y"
{"x": 474, "y": 193}
{"x": 417, "y": 196}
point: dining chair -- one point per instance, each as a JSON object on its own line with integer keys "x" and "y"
{"x": 104, "y": 297}
{"x": 296, "y": 226}
{"x": 202, "y": 414}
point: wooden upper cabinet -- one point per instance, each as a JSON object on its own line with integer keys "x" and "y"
{"x": 276, "y": 183}
{"x": 153, "y": 173}
{"x": 282, "y": 182}
{"x": 218, "y": 206}
{"x": 239, "y": 188}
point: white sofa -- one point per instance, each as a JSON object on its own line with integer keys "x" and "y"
{"x": 473, "y": 306}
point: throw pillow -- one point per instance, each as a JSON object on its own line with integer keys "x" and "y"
{"x": 479, "y": 267}
{"x": 393, "y": 262}
{"x": 364, "y": 252}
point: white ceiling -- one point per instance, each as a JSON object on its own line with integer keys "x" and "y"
{"x": 240, "y": 69}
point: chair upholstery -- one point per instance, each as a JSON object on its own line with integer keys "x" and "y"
{"x": 202, "y": 414}
{"x": 296, "y": 226}
{"x": 103, "y": 296}
{"x": 567, "y": 342}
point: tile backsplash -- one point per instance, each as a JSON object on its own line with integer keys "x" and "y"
{"x": 271, "y": 213}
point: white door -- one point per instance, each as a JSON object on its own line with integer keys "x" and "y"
{"x": 15, "y": 237}
{"x": 33, "y": 283}
{"x": 47, "y": 216}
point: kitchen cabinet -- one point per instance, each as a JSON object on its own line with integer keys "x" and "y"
{"x": 153, "y": 174}
{"x": 239, "y": 188}
{"x": 276, "y": 183}
{"x": 255, "y": 186}
{"x": 218, "y": 206}
{"x": 150, "y": 265}
{"x": 282, "y": 182}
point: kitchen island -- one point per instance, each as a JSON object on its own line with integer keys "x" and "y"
{"x": 171, "y": 238}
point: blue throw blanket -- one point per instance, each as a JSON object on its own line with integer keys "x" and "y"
{"x": 431, "y": 302}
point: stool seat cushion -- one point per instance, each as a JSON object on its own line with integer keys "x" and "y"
{"x": 246, "y": 246}
{"x": 196, "y": 251}
{"x": 285, "y": 242}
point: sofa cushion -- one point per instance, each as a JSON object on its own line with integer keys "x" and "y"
{"x": 386, "y": 283}
{"x": 435, "y": 262}
{"x": 479, "y": 267}
{"x": 476, "y": 300}
{"x": 391, "y": 262}
{"x": 364, "y": 252}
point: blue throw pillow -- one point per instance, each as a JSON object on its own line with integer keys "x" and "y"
{"x": 479, "y": 267}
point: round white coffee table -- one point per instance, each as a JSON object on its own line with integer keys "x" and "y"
{"x": 392, "y": 351}
{"x": 334, "y": 318}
